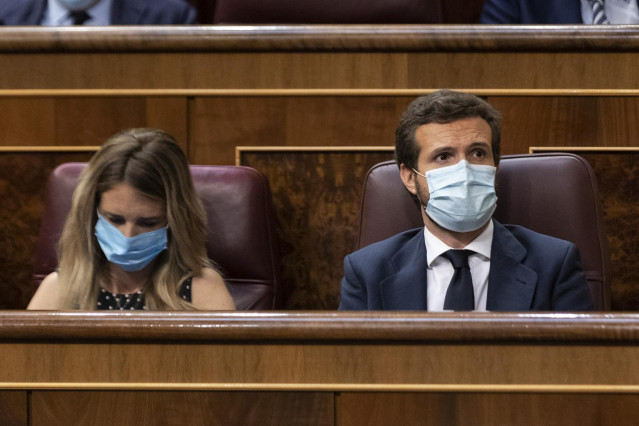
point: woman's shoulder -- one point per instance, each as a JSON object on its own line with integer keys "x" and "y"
{"x": 46, "y": 297}
{"x": 209, "y": 292}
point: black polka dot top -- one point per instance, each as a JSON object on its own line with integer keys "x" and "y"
{"x": 108, "y": 301}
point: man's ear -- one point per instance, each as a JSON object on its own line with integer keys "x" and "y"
{"x": 408, "y": 177}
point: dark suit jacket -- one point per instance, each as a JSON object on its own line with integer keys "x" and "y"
{"x": 531, "y": 12}
{"x": 528, "y": 272}
{"x": 125, "y": 12}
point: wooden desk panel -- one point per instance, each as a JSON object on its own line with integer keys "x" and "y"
{"x": 149, "y": 408}
{"x": 369, "y": 368}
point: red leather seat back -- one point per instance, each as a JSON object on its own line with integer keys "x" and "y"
{"x": 328, "y": 12}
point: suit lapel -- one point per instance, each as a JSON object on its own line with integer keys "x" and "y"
{"x": 406, "y": 289}
{"x": 511, "y": 285}
{"x": 126, "y": 12}
{"x": 36, "y": 13}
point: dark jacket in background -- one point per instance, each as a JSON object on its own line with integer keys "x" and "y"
{"x": 531, "y": 12}
{"x": 124, "y": 12}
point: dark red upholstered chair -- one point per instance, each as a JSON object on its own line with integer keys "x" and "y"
{"x": 240, "y": 226}
{"x": 328, "y": 12}
{"x": 554, "y": 194}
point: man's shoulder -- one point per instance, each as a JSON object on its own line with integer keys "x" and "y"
{"x": 153, "y": 12}
{"x": 14, "y": 12}
{"x": 165, "y": 6}
{"x": 389, "y": 245}
{"x": 533, "y": 240}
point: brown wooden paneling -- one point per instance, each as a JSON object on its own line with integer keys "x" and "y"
{"x": 89, "y": 121}
{"x": 169, "y": 114}
{"x": 537, "y": 353}
{"x": 219, "y": 124}
{"x": 322, "y": 70}
{"x": 284, "y": 368}
{"x": 22, "y": 184}
{"x": 567, "y": 121}
{"x": 481, "y": 409}
{"x": 181, "y": 408}
{"x": 316, "y": 197}
{"x": 13, "y": 408}
{"x": 204, "y": 71}
{"x": 618, "y": 178}
{"x": 27, "y": 121}
{"x": 68, "y": 121}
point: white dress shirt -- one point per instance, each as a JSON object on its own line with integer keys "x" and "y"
{"x": 57, "y": 15}
{"x": 440, "y": 271}
{"x": 617, "y": 11}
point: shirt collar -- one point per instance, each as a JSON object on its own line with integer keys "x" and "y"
{"x": 59, "y": 15}
{"x": 481, "y": 245}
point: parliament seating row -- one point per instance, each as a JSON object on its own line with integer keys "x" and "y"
{"x": 338, "y": 11}
{"x": 554, "y": 194}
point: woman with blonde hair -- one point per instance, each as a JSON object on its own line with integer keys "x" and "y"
{"x": 135, "y": 234}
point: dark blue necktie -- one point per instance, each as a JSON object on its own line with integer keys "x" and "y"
{"x": 79, "y": 17}
{"x": 460, "y": 295}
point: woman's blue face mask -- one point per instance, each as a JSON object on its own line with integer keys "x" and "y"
{"x": 130, "y": 254}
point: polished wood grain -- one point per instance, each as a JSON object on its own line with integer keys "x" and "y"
{"x": 23, "y": 175}
{"x": 180, "y": 408}
{"x": 316, "y": 198}
{"x": 322, "y": 37}
{"x": 366, "y": 326}
{"x": 372, "y": 368}
{"x": 482, "y": 409}
{"x": 13, "y": 408}
{"x": 320, "y": 57}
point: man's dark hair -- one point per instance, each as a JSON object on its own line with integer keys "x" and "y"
{"x": 442, "y": 107}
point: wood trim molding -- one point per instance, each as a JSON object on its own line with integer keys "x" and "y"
{"x": 582, "y": 149}
{"x": 39, "y": 93}
{"x": 339, "y": 38}
{"x": 466, "y": 328}
{"x": 327, "y": 387}
{"x": 240, "y": 150}
{"x": 36, "y": 149}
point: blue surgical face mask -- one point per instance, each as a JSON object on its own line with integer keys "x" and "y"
{"x": 78, "y": 4}
{"x": 462, "y": 196}
{"x": 130, "y": 254}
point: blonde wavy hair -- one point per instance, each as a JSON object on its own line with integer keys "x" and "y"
{"x": 150, "y": 161}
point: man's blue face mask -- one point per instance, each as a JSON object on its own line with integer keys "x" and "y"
{"x": 131, "y": 254}
{"x": 462, "y": 196}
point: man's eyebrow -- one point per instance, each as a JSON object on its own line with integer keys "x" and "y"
{"x": 480, "y": 143}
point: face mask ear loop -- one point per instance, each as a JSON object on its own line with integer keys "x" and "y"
{"x": 416, "y": 172}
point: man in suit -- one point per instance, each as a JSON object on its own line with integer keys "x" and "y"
{"x": 100, "y": 12}
{"x": 560, "y": 12}
{"x": 448, "y": 149}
